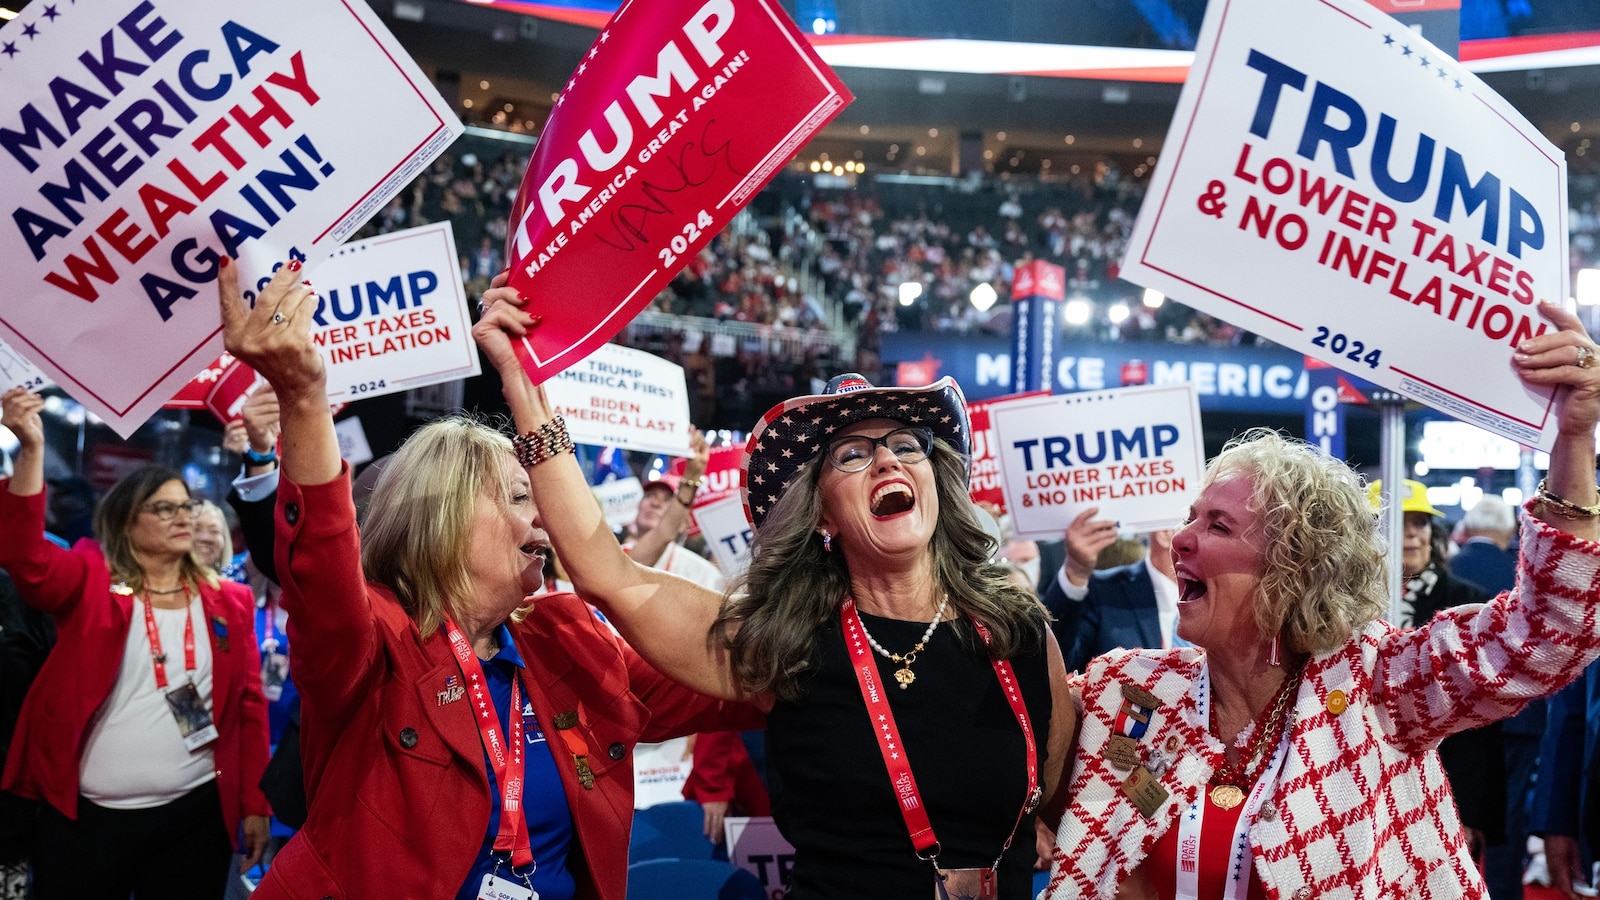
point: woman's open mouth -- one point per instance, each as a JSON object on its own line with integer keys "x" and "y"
{"x": 1190, "y": 589}
{"x": 892, "y": 499}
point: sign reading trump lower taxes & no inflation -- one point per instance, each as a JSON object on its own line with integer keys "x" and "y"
{"x": 16, "y": 371}
{"x": 1136, "y": 453}
{"x": 392, "y": 314}
{"x": 143, "y": 140}
{"x": 676, "y": 116}
{"x": 1334, "y": 183}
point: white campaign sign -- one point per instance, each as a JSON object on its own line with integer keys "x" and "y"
{"x": 727, "y": 533}
{"x": 392, "y": 314}
{"x": 1334, "y": 183}
{"x": 619, "y": 500}
{"x": 660, "y": 771}
{"x": 621, "y": 397}
{"x": 354, "y": 448}
{"x": 16, "y": 371}
{"x": 756, "y": 845}
{"x": 141, "y": 143}
{"x": 1136, "y": 453}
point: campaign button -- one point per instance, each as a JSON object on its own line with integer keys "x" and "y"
{"x": 1337, "y": 702}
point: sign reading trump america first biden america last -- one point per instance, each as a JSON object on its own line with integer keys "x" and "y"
{"x": 143, "y": 140}
{"x": 677, "y": 115}
{"x": 1333, "y": 182}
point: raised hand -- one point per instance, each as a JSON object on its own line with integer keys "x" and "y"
{"x": 1086, "y": 536}
{"x": 274, "y": 338}
{"x": 22, "y": 408}
{"x": 260, "y": 414}
{"x": 1564, "y": 356}
{"x": 502, "y": 318}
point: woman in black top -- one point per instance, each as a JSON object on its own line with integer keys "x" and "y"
{"x": 906, "y": 678}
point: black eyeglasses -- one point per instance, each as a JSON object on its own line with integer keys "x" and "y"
{"x": 165, "y": 510}
{"x": 855, "y": 452}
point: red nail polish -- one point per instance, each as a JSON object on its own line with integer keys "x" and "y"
{"x": 534, "y": 320}
{"x": 223, "y": 262}
{"x": 294, "y": 265}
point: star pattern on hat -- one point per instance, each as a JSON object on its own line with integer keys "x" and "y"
{"x": 795, "y": 431}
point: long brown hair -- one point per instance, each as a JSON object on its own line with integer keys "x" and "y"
{"x": 113, "y": 527}
{"x": 793, "y": 587}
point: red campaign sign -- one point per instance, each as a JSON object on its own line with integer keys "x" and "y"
{"x": 984, "y": 487}
{"x": 1038, "y": 278}
{"x": 220, "y": 387}
{"x": 679, "y": 113}
{"x": 721, "y": 479}
{"x": 110, "y": 463}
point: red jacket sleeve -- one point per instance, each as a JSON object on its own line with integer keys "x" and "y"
{"x": 50, "y": 579}
{"x": 333, "y": 638}
{"x": 717, "y": 754}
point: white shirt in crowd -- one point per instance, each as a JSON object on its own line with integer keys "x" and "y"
{"x": 134, "y": 756}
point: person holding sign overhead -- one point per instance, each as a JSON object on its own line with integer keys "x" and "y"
{"x": 918, "y": 706}
{"x": 460, "y": 739}
{"x": 146, "y": 732}
{"x": 1293, "y": 752}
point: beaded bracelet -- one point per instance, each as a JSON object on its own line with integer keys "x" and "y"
{"x": 548, "y": 440}
{"x": 1564, "y": 508}
{"x": 693, "y": 484}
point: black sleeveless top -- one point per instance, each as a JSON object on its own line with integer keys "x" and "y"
{"x": 831, "y": 792}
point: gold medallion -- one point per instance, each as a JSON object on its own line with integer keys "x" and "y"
{"x": 905, "y": 676}
{"x": 1226, "y": 796}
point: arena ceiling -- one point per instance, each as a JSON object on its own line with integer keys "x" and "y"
{"x": 525, "y": 60}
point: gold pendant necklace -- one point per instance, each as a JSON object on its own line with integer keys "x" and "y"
{"x": 1226, "y": 796}
{"x": 1269, "y": 731}
{"x": 904, "y": 675}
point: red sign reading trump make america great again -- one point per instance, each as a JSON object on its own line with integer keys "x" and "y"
{"x": 678, "y": 114}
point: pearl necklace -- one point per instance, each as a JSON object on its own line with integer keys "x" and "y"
{"x": 904, "y": 675}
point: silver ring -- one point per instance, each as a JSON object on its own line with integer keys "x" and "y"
{"x": 482, "y": 308}
{"x": 1586, "y": 357}
{"x": 277, "y": 319}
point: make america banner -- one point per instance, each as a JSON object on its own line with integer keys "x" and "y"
{"x": 140, "y": 142}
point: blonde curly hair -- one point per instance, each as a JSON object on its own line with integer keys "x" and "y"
{"x": 1323, "y": 577}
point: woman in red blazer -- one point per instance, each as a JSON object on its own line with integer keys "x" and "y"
{"x": 146, "y": 731}
{"x": 436, "y": 694}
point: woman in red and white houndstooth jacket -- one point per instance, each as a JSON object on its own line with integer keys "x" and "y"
{"x": 1291, "y": 753}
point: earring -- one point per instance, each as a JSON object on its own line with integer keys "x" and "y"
{"x": 1274, "y": 656}
{"x": 827, "y": 542}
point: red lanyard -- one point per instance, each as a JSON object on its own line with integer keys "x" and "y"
{"x": 894, "y": 755}
{"x": 513, "y": 834}
{"x": 159, "y": 659}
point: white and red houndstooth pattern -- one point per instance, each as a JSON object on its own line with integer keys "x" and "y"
{"x": 1361, "y": 808}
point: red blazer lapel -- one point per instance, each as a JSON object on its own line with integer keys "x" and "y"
{"x": 446, "y": 702}
{"x": 223, "y": 632}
